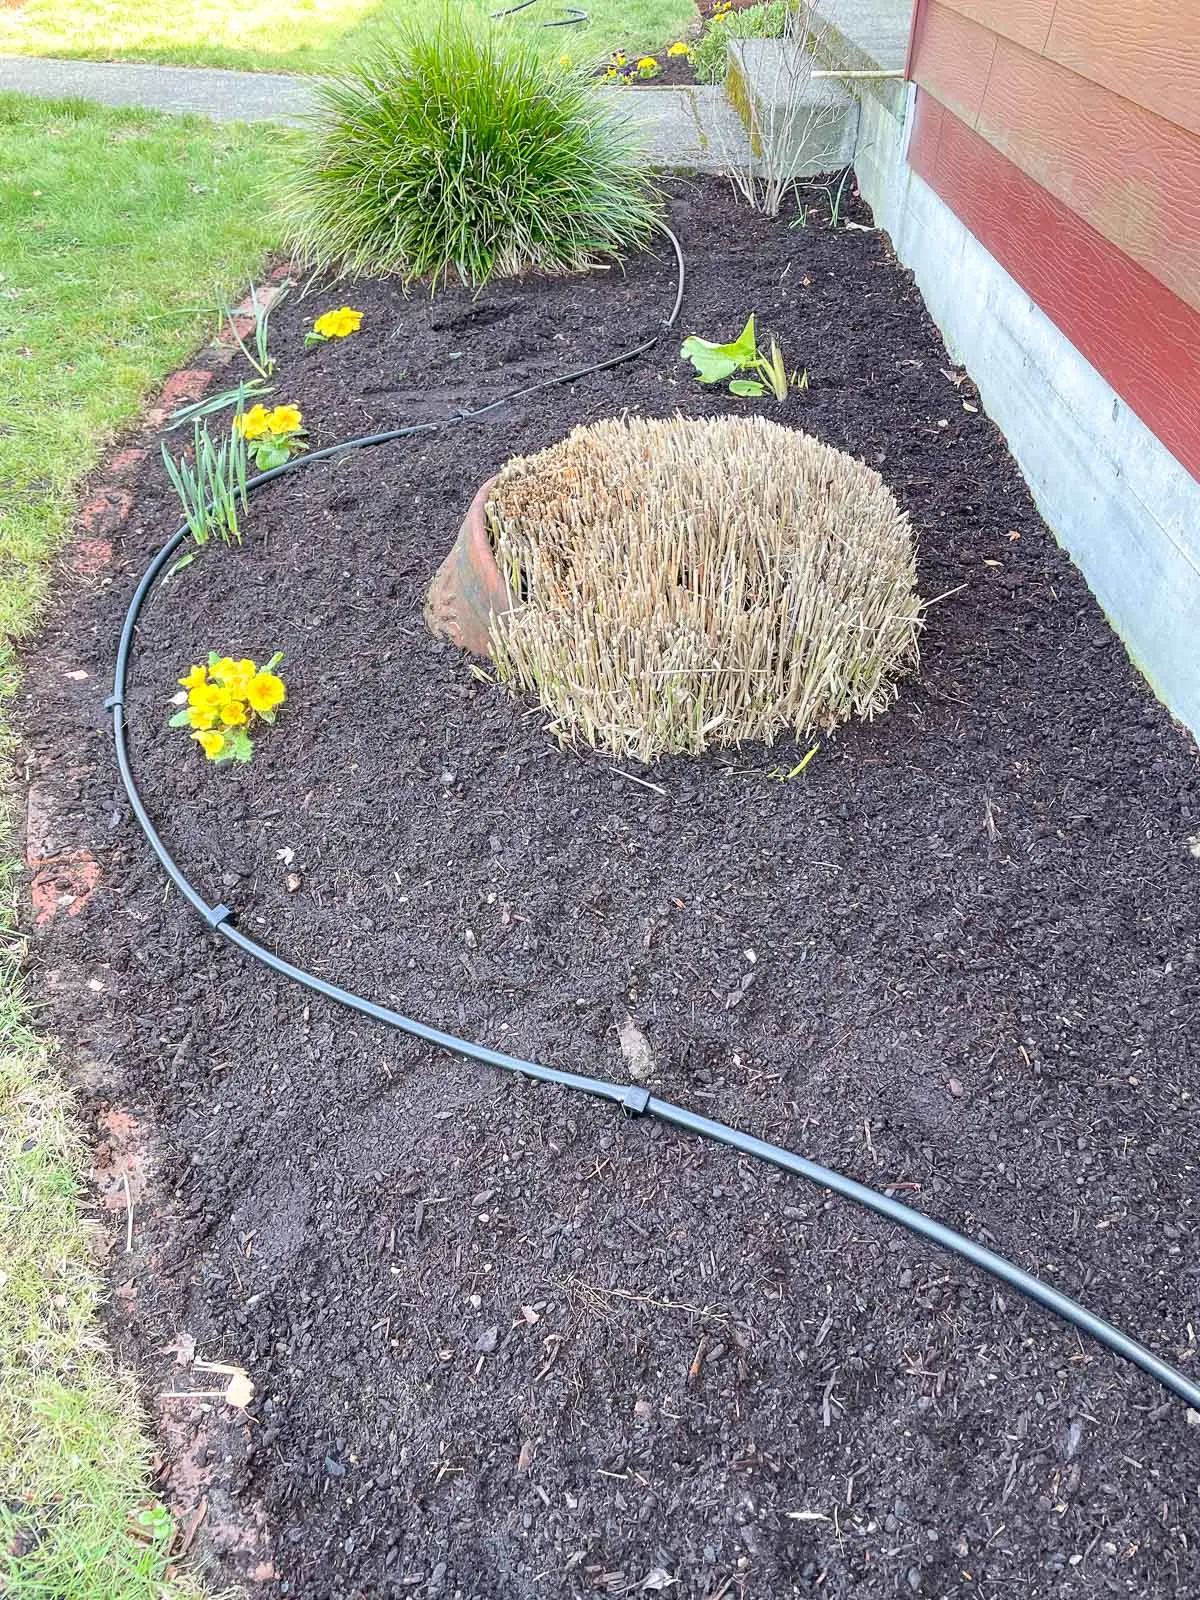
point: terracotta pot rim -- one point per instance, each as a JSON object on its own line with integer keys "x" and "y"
{"x": 468, "y": 590}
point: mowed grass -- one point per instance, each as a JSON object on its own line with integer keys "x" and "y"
{"x": 306, "y": 35}
{"x": 119, "y": 233}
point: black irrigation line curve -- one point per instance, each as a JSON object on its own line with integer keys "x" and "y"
{"x": 636, "y": 1101}
{"x": 573, "y": 16}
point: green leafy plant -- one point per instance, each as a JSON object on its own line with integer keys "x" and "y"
{"x": 154, "y": 1523}
{"x": 222, "y": 701}
{"x": 272, "y": 437}
{"x": 211, "y": 486}
{"x": 716, "y": 362}
{"x": 710, "y": 53}
{"x": 456, "y": 149}
{"x": 260, "y": 358}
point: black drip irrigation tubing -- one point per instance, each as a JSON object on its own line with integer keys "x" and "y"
{"x": 632, "y": 1099}
{"x": 573, "y": 16}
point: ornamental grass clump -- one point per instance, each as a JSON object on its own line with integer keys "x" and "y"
{"x": 685, "y": 583}
{"x": 457, "y": 150}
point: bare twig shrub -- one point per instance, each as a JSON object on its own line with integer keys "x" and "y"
{"x": 799, "y": 122}
{"x": 687, "y": 583}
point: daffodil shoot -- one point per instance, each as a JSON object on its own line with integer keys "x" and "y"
{"x": 222, "y": 701}
{"x": 273, "y": 436}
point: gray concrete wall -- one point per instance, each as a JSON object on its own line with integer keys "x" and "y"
{"x": 1121, "y": 505}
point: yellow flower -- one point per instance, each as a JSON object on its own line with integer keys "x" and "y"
{"x": 233, "y": 714}
{"x": 211, "y": 743}
{"x": 233, "y": 675}
{"x": 201, "y": 717}
{"x": 285, "y": 419}
{"x": 252, "y": 424}
{"x": 196, "y": 677}
{"x": 337, "y": 324}
{"x": 564, "y": 61}
{"x": 265, "y": 691}
{"x": 618, "y": 59}
{"x": 678, "y": 49}
{"x": 205, "y": 697}
{"x": 647, "y": 64}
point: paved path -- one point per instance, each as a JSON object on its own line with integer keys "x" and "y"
{"x": 227, "y": 96}
{"x": 690, "y": 128}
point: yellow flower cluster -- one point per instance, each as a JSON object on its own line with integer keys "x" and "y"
{"x": 679, "y": 48}
{"x": 222, "y": 699}
{"x": 721, "y": 10}
{"x": 647, "y": 66}
{"x": 258, "y": 422}
{"x": 337, "y": 324}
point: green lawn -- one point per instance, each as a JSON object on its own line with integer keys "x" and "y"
{"x": 119, "y": 232}
{"x": 302, "y": 35}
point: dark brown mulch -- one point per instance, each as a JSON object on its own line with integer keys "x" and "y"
{"x": 506, "y": 1343}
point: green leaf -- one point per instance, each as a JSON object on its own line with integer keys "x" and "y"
{"x": 180, "y": 719}
{"x": 311, "y": 338}
{"x": 746, "y": 387}
{"x": 714, "y": 362}
{"x": 213, "y": 658}
{"x": 177, "y": 566}
{"x": 239, "y": 744}
{"x": 778, "y": 373}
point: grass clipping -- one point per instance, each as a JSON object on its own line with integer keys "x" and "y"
{"x": 691, "y": 583}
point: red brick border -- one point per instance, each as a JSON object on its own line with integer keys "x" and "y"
{"x": 64, "y": 874}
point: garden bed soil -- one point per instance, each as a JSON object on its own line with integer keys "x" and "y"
{"x": 506, "y": 1342}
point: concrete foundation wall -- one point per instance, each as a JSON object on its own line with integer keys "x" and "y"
{"x": 1121, "y": 505}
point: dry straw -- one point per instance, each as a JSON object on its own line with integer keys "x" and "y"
{"x": 688, "y": 583}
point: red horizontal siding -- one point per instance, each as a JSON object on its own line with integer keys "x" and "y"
{"x": 1133, "y": 176}
{"x": 1026, "y": 22}
{"x": 1148, "y": 51}
{"x": 952, "y": 58}
{"x": 1142, "y": 338}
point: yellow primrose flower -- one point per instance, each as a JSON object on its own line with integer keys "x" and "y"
{"x": 205, "y": 697}
{"x": 211, "y": 743}
{"x": 196, "y": 677}
{"x": 285, "y": 419}
{"x": 337, "y": 324}
{"x": 678, "y": 49}
{"x": 200, "y": 717}
{"x": 233, "y": 714}
{"x": 232, "y": 675}
{"x": 647, "y": 64}
{"x": 265, "y": 691}
{"x": 252, "y": 424}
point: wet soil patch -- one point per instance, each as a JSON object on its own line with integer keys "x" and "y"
{"x": 505, "y": 1342}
